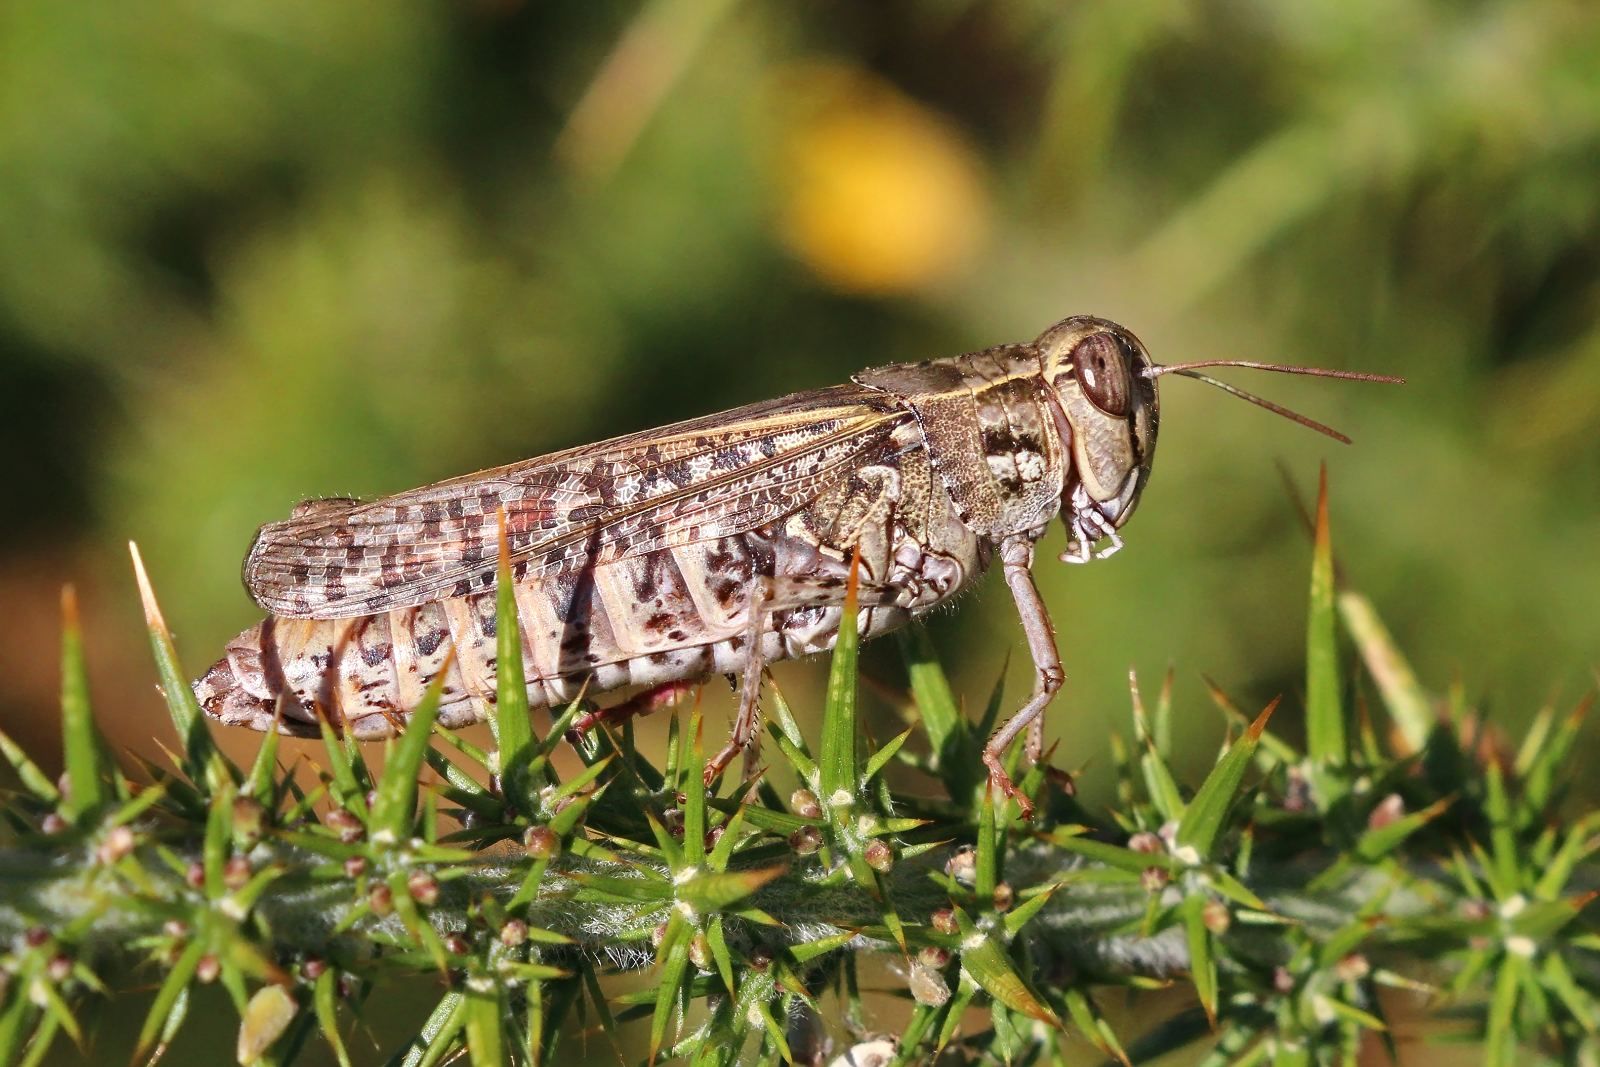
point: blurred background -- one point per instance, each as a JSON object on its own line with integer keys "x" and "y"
{"x": 252, "y": 252}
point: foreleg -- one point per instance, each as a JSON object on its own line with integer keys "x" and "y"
{"x": 1016, "y": 557}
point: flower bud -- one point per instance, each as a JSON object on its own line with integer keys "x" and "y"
{"x": 928, "y": 986}
{"x": 248, "y": 819}
{"x": 380, "y": 899}
{"x": 700, "y": 951}
{"x": 346, "y": 824}
{"x": 423, "y": 887}
{"x": 803, "y": 802}
{"x": 1353, "y": 968}
{"x": 963, "y": 865}
{"x": 541, "y": 842}
{"x": 117, "y": 843}
{"x": 806, "y": 840}
{"x": 1146, "y": 843}
{"x": 236, "y": 872}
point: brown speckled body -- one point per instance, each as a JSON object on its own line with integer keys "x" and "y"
{"x": 660, "y": 556}
{"x": 669, "y": 614}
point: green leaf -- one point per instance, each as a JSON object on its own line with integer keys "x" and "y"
{"x": 1202, "y": 964}
{"x": 1350, "y": 1013}
{"x": 838, "y": 766}
{"x": 1543, "y": 919}
{"x": 81, "y": 742}
{"x": 203, "y": 763}
{"x": 176, "y": 981}
{"x": 439, "y": 1033}
{"x": 716, "y": 891}
{"x": 806, "y": 951}
{"x": 718, "y": 940}
{"x": 1325, "y": 726}
{"x": 674, "y": 956}
{"x": 1409, "y": 704}
{"x": 28, "y": 773}
{"x": 325, "y": 1002}
{"x": 267, "y": 1016}
{"x": 1544, "y": 775}
{"x": 986, "y": 857}
{"x": 511, "y": 723}
{"x": 965, "y": 990}
{"x": 1500, "y": 1039}
{"x": 1272, "y": 746}
{"x": 482, "y": 1021}
{"x": 1502, "y": 831}
{"x": 881, "y": 758}
{"x": 986, "y": 962}
{"x": 1163, "y": 788}
{"x": 1158, "y": 780}
{"x": 394, "y": 809}
{"x": 627, "y": 890}
{"x": 949, "y": 734}
{"x": 1087, "y": 1016}
{"x": 262, "y": 782}
{"x": 1178, "y": 1031}
{"x": 1018, "y": 917}
{"x": 693, "y": 761}
{"x": 1124, "y": 859}
{"x": 1161, "y": 721}
{"x": 342, "y": 767}
{"x": 722, "y": 852}
{"x": 608, "y": 1022}
{"x": 1580, "y": 1002}
{"x": 1577, "y": 846}
{"x": 991, "y": 710}
{"x": 16, "y": 1024}
{"x": 45, "y": 1035}
{"x": 1203, "y": 820}
{"x": 1378, "y": 842}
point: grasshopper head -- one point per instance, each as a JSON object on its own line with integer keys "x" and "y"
{"x": 1107, "y": 413}
{"x": 1104, "y": 383}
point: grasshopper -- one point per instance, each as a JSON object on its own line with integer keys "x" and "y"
{"x": 715, "y": 545}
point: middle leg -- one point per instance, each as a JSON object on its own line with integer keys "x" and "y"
{"x": 770, "y": 596}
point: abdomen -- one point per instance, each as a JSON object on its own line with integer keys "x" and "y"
{"x": 670, "y": 615}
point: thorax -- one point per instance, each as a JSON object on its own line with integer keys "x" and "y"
{"x": 992, "y": 434}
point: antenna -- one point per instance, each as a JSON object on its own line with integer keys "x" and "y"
{"x": 1192, "y": 370}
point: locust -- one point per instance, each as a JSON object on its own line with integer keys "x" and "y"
{"x": 716, "y": 545}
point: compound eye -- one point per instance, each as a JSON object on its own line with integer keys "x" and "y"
{"x": 1102, "y": 371}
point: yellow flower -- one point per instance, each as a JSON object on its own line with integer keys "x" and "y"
{"x": 877, "y": 194}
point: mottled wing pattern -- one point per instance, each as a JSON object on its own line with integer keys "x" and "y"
{"x": 707, "y": 478}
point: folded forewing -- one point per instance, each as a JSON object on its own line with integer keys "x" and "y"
{"x": 707, "y": 478}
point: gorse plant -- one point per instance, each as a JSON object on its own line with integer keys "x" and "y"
{"x": 1287, "y": 891}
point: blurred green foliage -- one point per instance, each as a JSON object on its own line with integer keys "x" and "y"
{"x": 252, "y": 252}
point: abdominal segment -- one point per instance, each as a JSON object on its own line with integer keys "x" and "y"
{"x": 669, "y": 615}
